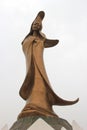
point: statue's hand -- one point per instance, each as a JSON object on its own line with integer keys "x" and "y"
{"x": 37, "y": 40}
{"x": 31, "y": 39}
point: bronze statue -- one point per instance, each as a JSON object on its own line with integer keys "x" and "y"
{"x": 36, "y": 88}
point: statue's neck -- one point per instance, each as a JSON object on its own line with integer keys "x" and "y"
{"x": 35, "y": 33}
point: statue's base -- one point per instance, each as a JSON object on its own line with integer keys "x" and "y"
{"x": 27, "y": 122}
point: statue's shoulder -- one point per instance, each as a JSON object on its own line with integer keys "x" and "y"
{"x": 28, "y": 38}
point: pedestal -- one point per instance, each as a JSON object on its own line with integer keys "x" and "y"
{"x": 54, "y": 122}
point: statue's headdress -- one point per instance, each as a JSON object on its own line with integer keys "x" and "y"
{"x": 39, "y": 18}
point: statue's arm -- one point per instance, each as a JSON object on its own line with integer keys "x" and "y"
{"x": 50, "y": 43}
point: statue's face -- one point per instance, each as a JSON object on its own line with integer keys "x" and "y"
{"x": 37, "y": 25}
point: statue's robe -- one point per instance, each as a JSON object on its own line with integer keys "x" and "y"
{"x": 36, "y": 79}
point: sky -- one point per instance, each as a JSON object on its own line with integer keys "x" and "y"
{"x": 66, "y": 63}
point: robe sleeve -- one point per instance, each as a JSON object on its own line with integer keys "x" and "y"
{"x": 50, "y": 43}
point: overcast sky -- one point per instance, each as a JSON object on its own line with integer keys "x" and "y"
{"x": 66, "y": 63}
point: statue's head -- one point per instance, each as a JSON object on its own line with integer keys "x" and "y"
{"x": 37, "y": 23}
